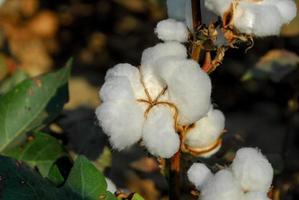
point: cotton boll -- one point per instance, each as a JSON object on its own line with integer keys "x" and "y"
{"x": 207, "y": 130}
{"x": 189, "y": 87}
{"x": 172, "y": 30}
{"x": 222, "y": 186}
{"x": 199, "y": 174}
{"x": 131, "y": 73}
{"x": 252, "y": 170}
{"x": 122, "y": 121}
{"x": 175, "y": 9}
{"x": 110, "y": 186}
{"x": 159, "y": 135}
{"x": 218, "y": 6}
{"x": 117, "y": 88}
{"x": 287, "y": 9}
{"x": 256, "y": 196}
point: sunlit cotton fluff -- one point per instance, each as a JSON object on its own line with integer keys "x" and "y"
{"x": 199, "y": 174}
{"x": 172, "y": 30}
{"x": 153, "y": 102}
{"x": 207, "y": 130}
{"x": 236, "y": 182}
{"x": 252, "y": 170}
{"x": 257, "y": 17}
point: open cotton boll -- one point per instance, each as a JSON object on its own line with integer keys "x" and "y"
{"x": 188, "y": 86}
{"x": 199, "y": 174}
{"x": 287, "y": 9}
{"x": 221, "y": 186}
{"x": 117, "y": 88}
{"x": 258, "y": 19}
{"x": 131, "y": 73}
{"x": 172, "y": 30}
{"x": 159, "y": 135}
{"x": 122, "y": 121}
{"x": 252, "y": 170}
{"x": 176, "y": 9}
{"x": 256, "y": 196}
{"x": 207, "y": 130}
{"x": 111, "y": 187}
{"x": 218, "y": 6}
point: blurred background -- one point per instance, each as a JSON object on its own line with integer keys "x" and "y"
{"x": 258, "y": 90}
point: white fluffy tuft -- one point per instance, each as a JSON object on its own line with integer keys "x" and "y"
{"x": 199, "y": 174}
{"x": 252, "y": 169}
{"x": 189, "y": 87}
{"x": 222, "y": 186}
{"x": 159, "y": 135}
{"x": 122, "y": 121}
{"x": 207, "y": 130}
{"x": 256, "y": 196}
{"x": 172, "y": 30}
{"x": 218, "y": 6}
{"x": 111, "y": 187}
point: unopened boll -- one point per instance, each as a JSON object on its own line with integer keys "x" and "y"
{"x": 252, "y": 170}
{"x": 199, "y": 174}
{"x": 260, "y": 18}
{"x": 172, "y": 30}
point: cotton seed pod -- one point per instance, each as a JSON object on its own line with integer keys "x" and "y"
{"x": 159, "y": 135}
{"x": 172, "y": 30}
{"x": 252, "y": 170}
{"x": 258, "y": 17}
{"x": 122, "y": 121}
{"x": 199, "y": 174}
{"x": 207, "y": 130}
{"x": 222, "y": 186}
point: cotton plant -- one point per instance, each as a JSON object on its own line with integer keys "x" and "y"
{"x": 249, "y": 177}
{"x": 165, "y": 104}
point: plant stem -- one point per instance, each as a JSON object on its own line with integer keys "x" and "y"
{"x": 196, "y": 21}
{"x": 175, "y": 177}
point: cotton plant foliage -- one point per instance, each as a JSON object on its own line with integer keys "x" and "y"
{"x": 166, "y": 98}
{"x": 248, "y": 178}
{"x": 257, "y": 17}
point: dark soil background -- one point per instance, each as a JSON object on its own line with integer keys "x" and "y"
{"x": 99, "y": 34}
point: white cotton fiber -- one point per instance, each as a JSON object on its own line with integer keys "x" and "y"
{"x": 176, "y": 9}
{"x": 252, "y": 170}
{"x": 122, "y": 121}
{"x": 149, "y": 59}
{"x": 189, "y": 87}
{"x": 256, "y": 196}
{"x": 287, "y": 9}
{"x": 222, "y": 186}
{"x": 111, "y": 187}
{"x": 117, "y": 88}
{"x": 172, "y": 30}
{"x": 207, "y": 130}
{"x": 159, "y": 135}
{"x": 199, "y": 174}
{"x": 131, "y": 73}
{"x": 218, "y": 6}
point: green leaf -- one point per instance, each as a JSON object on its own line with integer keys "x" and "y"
{"x": 55, "y": 176}
{"x": 12, "y": 81}
{"x": 32, "y": 104}
{"x": 86, "y": 180}
{"x": 137, "y": 197}
{"x": 41, "y": 152}
{"x": 19, "y": 182}
{"x": 275, "y": 65}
